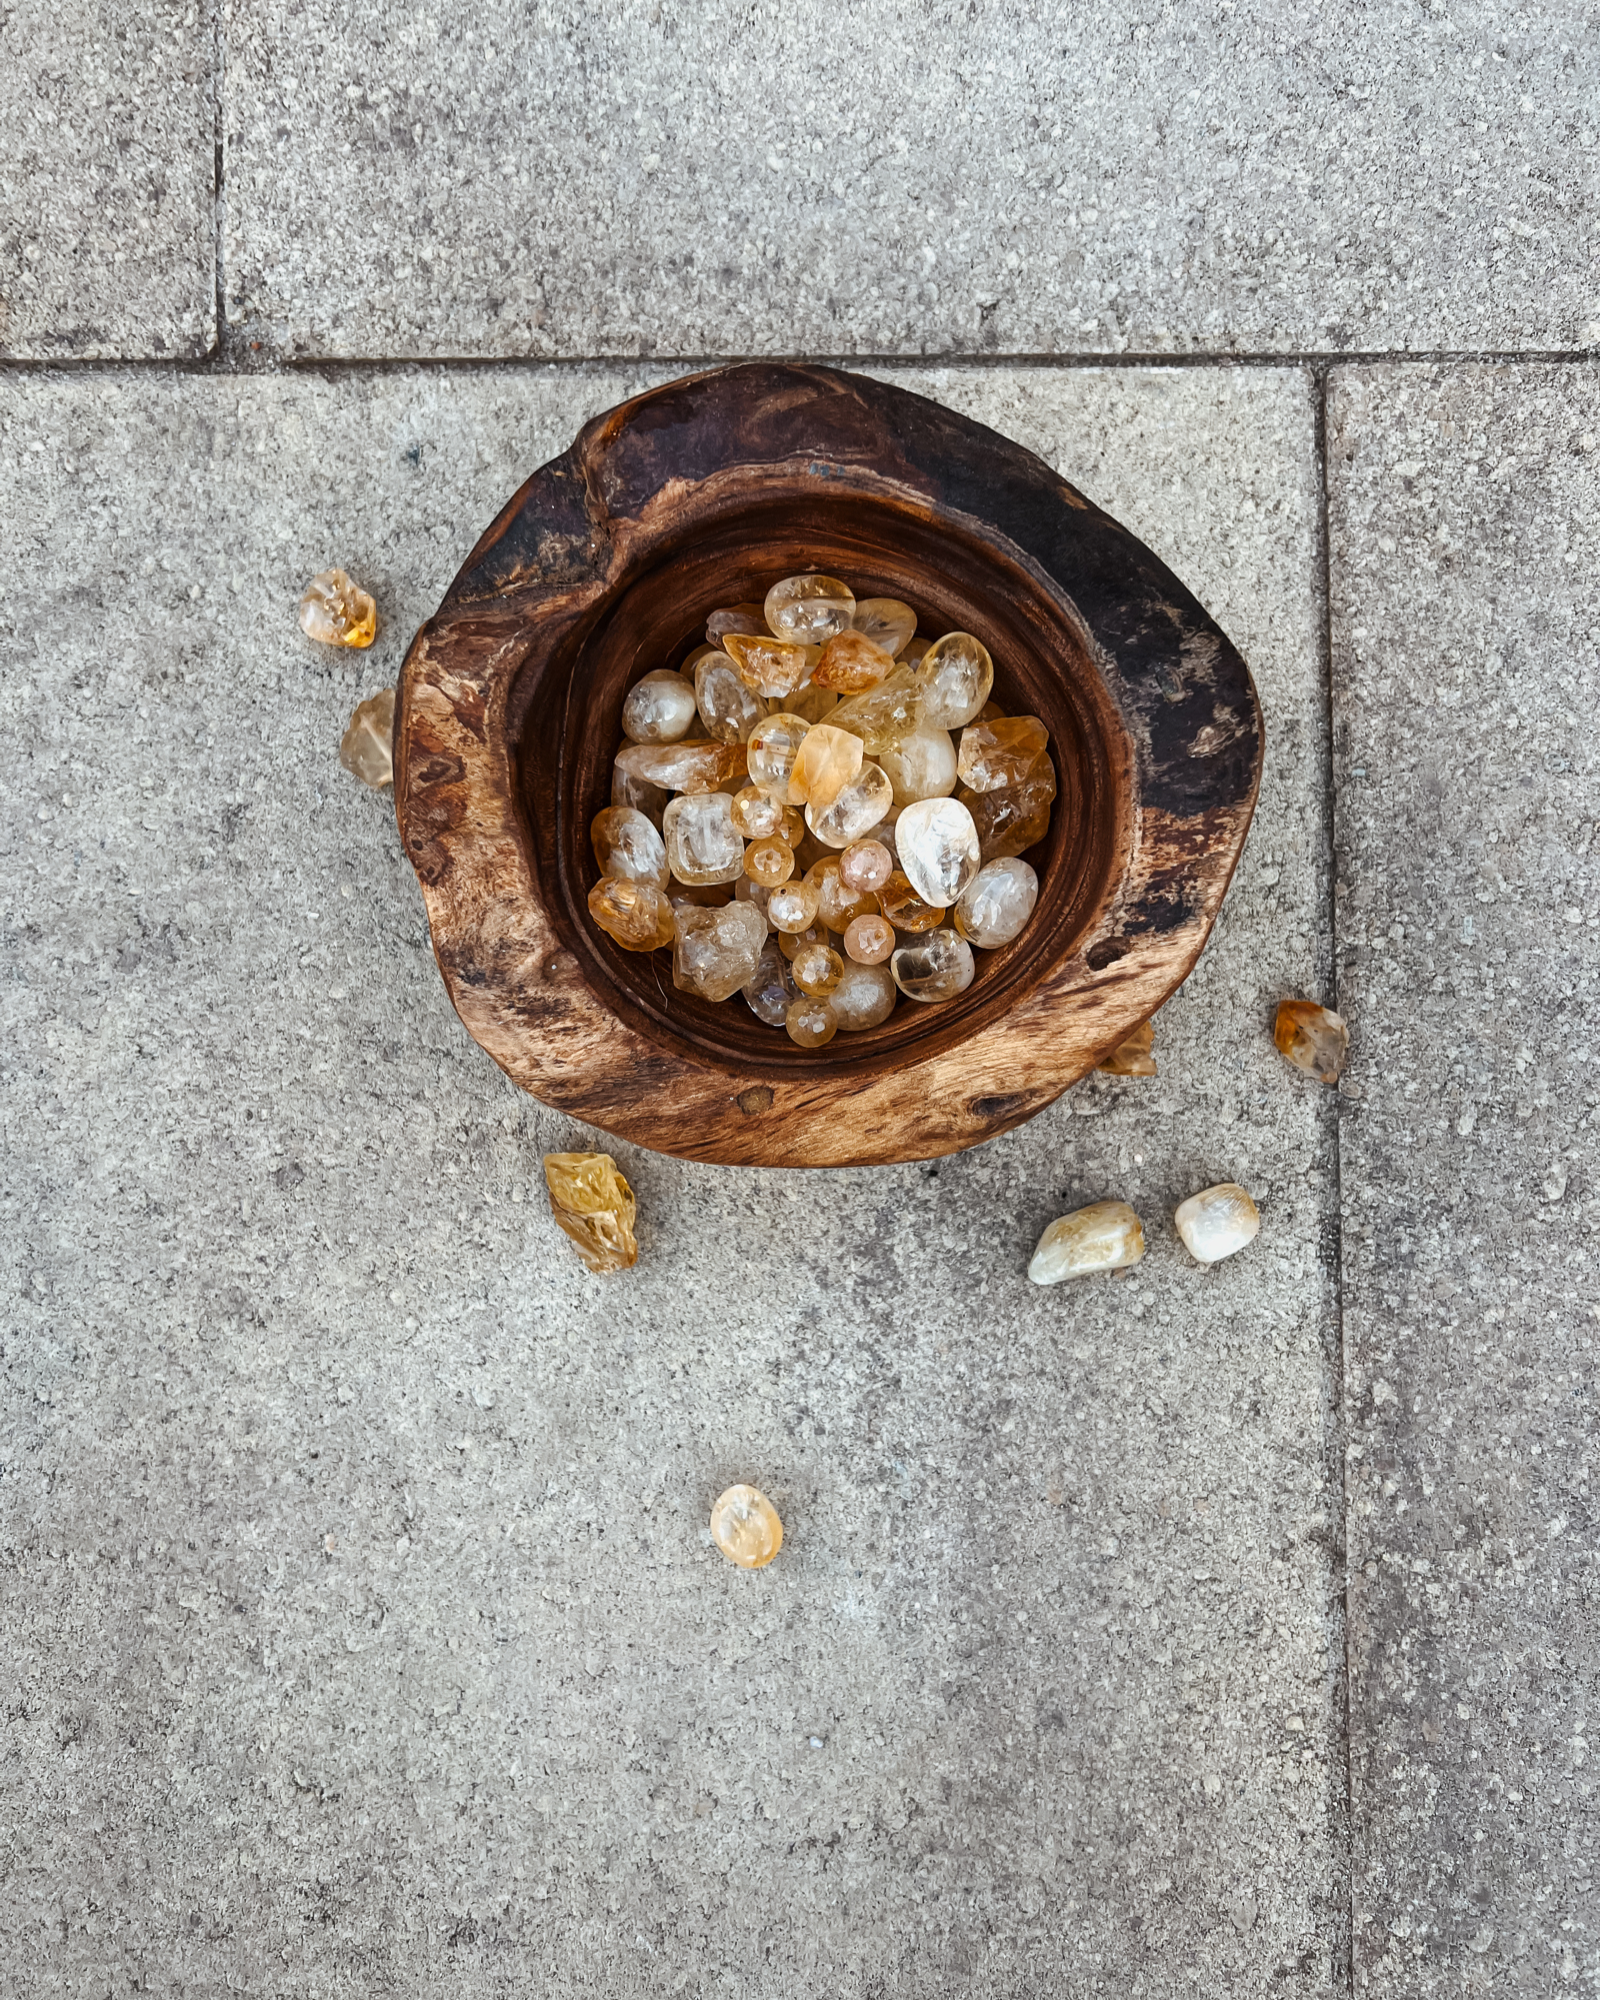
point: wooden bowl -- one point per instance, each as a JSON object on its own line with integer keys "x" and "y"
{"x": 605, "y": 565}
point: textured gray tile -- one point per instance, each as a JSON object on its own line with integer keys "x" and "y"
{"x": 696, "y": 177}
{"x": 107, "y": 170}
{"x": 361, "y": 1630}
{"x": 1464, "y": 545}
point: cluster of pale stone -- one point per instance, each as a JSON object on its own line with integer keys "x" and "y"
{"x": 814, "y": 812}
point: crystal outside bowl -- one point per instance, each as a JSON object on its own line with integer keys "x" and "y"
{"x": 605, "y": 565}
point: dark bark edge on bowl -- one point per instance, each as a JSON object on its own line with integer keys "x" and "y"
{"x": 600, "y": 568}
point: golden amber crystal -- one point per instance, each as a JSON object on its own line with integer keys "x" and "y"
{"x": 336, "y": 612}
{"x": 851, "y": 663}
{"x": 955, "y": 675}
{"x": 811, "y": 1022}
{"x": 793, "y": 906}
{"x": 817, "y": 970}
{"x": 810, "y": 608}
{"x": 637, "y": 914}
{"x": 367, "y": 747}
{"x": 769, "y": 862}
{"x": 792, "y": 943}
{"x": 837, "y": 905}
{"x": 745, "y": 1526}
{"x": 869, "y": 940}
{"x": 1012, "y": 818}
{"x": 1216, "y": 1222}
{"x": 1002, "y": 752}
{"x": 856, "y": 808}
{"x": 1313, "y": 1038}
{"x": 716, "y": 951}
{"x": 1132, "y": 1057}
{"x": 595, "y": 1206}
{"x": 904, "y": 908}
{"x": 771, "y": 666}
{"x": 829, "y": 759}
{"x": 1105, "y": 1236}
{"x": 756, "y": 814}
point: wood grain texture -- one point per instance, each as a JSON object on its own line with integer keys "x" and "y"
{"x": 605, "y": 565}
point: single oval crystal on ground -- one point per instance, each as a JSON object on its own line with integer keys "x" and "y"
{"x": 810, "y": 608}
{"x": 997, "y": 902}
{"x": 1216, "y": 1222}
{"x": 336, "y": 612}
{"x": 715, "y": 952}
{"x": 937, "y": 967}
{"x": 1313, "y": 1038}
{"x": 1133, "y": 1055}
{"x": 1105, "y": 1236}
{"x": 366, "y": 750}
{"x": 703, "y": 845}
{"x": 595, "y": 1206}
{"x": 938, "y": 848}
{"x": 746, "y": 1528}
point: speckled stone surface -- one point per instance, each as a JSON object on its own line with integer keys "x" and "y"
{"x": 1467, "y": 673}
{"x": 690, "y": 178}
{"x": 107, "y": 180}
{"x": 362, "y": 1633}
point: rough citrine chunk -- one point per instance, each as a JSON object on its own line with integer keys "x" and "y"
{"x": 1002, "y": 752}
{"x": 1313, "y": 1038}
{"x": 337, "y": 612}
{"x": 745, "y": 1526}
{"x": 626, "y": 844}
{"x": 810, "y": 609}
{"x": 595, "y": 1206}
{"x": 717, "y": 951}
{"x": 1216, "y": 1222}
{"x": 851, "y": 663}
{"x": 367, "y": 747}
{"x": 702, "y": 845}
{"x": 904, "y": 908}
{"x": 682, "y": 767}
{"x": 938, "y": 848}
{"x": 883, "y": 715}
{"x": 1105, "y": 1236}
{"x": 954, "y": 675}
{"x": 637, "y": 914}
{"x": 1013, "y": 818}
{"x": 935, "y": 967}
{"x": 1133, "y": 1057}
{"x": 997, "y": 902}
{"x": 771, "y": 666}
{"x": 828, "y": 759}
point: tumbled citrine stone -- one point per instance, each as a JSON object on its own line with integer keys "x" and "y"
{"x": 1013, "y": 818}
{"x": 954, "y": 676}
{"x": 367, "y": 748}
{"x": 626, "y": 843}
{"x": 921, "y": 765}
{"x": 827, "y": 761}
{"x": 936, "y": 967}
{"x": 883, "y": 715}
{"x": 792, "y": 943}
{"x": 682, "y": 767}
{"x": 745, "y": 1526}
{"x": 770, "y": 989}
{"x": 904, "y": 908}
{"x": 817, "y": 970}
{"x": 727, "y": 707}
{"x": 886, "y": 621}
{"x": 595, "y": 1206}
{"x": 811, "y": 1022}
{"x": 659, "y": 709}
{"x": 1001, "y": 752}
{"x": 997, "y": 902}
{"x": 715, "y": 952}
{"x": 748, "y": 618}
{"x": 337, "y": 612}
{"x": 938, "y": 848}
{"x": 1105, "y": 1236}
{"x": 637, "y": 914}
{"x": 756, "y": 815}
{"x": 769, "y": 862}
{"x": 851, "y": 663}
{"x": 1216, "y": 1222}
{"x": 864, "y": 997}
{"x": 702, "y": 846}
{"x": 869, "y": 940}
{"x": 1133, "y": 1057}
{"x": 772, "y": 749}
{"x": 810, "y": 608}
{"x": 1313, "y": 1038}
{"x": 770, "y": 666}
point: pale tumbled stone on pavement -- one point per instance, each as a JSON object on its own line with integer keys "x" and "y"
{"x": 1465, "y": 546}
{"x": 690, "y": 179}
{"x": 359, "y": 1583}
{"x": 107, "y": 180}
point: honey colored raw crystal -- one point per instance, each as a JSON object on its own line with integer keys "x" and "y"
{"x": 851, "y": 663}
{"x": 1133, "y": 1057}
{"x": 904, "y": 908}
{"x": 827, "y": 761}
{"x": 682, "y": 767}
{"x": 954, "y": 677}
{"x": 772, "y": 667}
{"x": 636, "y": 914}
{"x": 811, "y": 703}
{"x": 886, "y": 621}
{"x": 1216, "y": 1222}
{"x": 336, "y": 612}
{"x": 884, "y": 715}
{"x": 627, "y": 844}
{"x": 717, "y": 951}
{"x": 595, "y": 1206}
{"x": 1105, "y": 1236}
{"x": 367, "y": 747}
{"x": 1311, "y": 1037}
{"x": 811, "y": 1022}
{"x": 811, "y": 608}
{"x": 1013, "y": 818}
{"x": 745, "y": 1526}
{"x": 1001, "y": 752}
{"x": 749, "y": 618}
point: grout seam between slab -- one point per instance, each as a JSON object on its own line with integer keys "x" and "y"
{"x": 219, "y": 335}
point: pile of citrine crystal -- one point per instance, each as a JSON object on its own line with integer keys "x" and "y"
{"x": 822, "y": 811}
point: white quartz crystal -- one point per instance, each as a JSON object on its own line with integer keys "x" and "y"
{"x": 938, "y": 848}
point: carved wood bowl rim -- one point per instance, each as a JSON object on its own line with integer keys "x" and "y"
{"x": 604, "y": 565}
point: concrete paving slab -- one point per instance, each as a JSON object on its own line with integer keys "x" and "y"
{"x": 1467, "y": 672}
{"x": 362, "y": 1632}
{"x": 697, "y": 178}
{"x": 107, "y": 180}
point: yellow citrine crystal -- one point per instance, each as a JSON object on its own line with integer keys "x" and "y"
{"x": 851, "y": 664}
{"x": 637, "y": 914}
{"x": 1105, "y": 1236}
{"x": 770, "y": 666}
{"x": 829, "y": 758}
{"x": 1313, "y": 1038}
{"x": 1133, "y": 1057}
{"x": 1216, "y": 1222}
{"x": 745, "y": 1526}
{"x": 336, "y": 612}
{"x": 367, "y": 747}
{"x": 595, "y": 1206}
